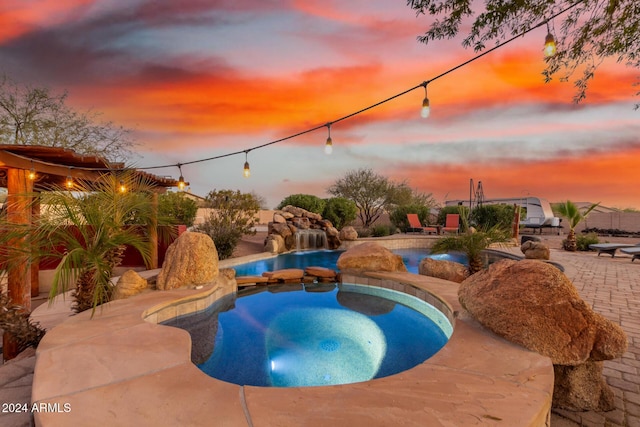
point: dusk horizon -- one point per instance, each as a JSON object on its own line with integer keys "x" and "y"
{"x": 198, "y": 80}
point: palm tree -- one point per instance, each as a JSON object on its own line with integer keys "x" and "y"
{"x": 471, "y": 242}
{"x": 87, "y": 230}
{"x": 573, "y": 215}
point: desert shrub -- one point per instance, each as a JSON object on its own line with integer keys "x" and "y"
{"x": 177, "y": 207}
{"x": 339, "y": 211}
{"x": 15, "y": 321}
{"x": 232, "y": 216}
{"x": 382, "y": 230}
{"x": 584, "y": 240}
{"x": 489, "y": 216}
{"x": 305, "y": 201}
{"x": 364, "y": 231}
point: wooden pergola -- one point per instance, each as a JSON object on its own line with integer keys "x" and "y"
{"x": 53, "y": 166}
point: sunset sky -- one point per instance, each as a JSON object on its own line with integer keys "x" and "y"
{"x": 196, "y": 79}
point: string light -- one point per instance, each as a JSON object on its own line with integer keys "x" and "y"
{"x": 181, "y": 183}
{"x": 550, "y": 50}
{"x": 69, "y": 182}
{"x": 32, "y": 172}
{"x": 549, "y": 44}
{"x": 426, "y": 109}
{"x": 122, "y": 188}
{"x": 246, "y": 171}
{"x": 328, "y": 146}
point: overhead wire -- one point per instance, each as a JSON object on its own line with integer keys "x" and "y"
{"x": 350, "y": 115}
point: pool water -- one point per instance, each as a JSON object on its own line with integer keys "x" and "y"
{"x": 318, "y": 334}
{"x": 328, "y": 259}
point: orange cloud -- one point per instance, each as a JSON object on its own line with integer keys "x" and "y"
{"x": 602, "y": 177}
{"x": 18, "y": 17}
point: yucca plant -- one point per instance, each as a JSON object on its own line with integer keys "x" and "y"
{"x": 574, "y": 216}
{"x": 87, "y": 229}
{"x": 471, "y": 242}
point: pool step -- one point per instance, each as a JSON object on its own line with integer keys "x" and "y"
{"x": 244, "y": 281}
{"x": 289, "y": 275}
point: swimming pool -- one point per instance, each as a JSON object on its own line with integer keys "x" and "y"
{"x": 328, "y": 259}
{"x": 315, "y": 334}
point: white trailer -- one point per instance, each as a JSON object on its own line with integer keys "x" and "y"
{"x": 538, "y": 211}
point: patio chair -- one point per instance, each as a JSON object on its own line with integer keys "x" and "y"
{"x": 609, "y": 248}
{"x": 452, "y": 223}
{"x": 635, "y": 252}
{"x": 414, "y": 225}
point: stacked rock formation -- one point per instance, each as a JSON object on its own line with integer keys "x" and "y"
{"x": 534, "y": 304}
{"x": 289, "y": 220}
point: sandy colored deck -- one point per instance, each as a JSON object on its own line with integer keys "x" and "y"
{"x": 121, "y": 368}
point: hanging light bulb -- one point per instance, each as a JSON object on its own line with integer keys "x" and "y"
{"x": 69, "y": 182}
{"x": 32, "y": 172}
{"x": 426, "y": 109}
{"x": 246, "y": 171}
{"x": 328, "y": 146}
{"x": 181, "y": 183}
{"x": 122, "y": 188}
{"x": 549, "y": 44}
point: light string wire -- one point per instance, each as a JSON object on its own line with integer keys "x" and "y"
{"x": 348, "y": 116}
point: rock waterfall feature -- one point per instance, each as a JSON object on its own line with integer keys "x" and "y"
{"x": 294, "y": 228}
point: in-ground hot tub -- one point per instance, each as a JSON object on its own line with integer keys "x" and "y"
{"x": 314, "y": 334}
{"x": 123, "y": 368}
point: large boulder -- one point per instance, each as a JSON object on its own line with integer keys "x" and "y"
{"x": 535, "y": 250}
{"x": 534, "y": 304}
{"x": 443, "y": 269}
{"x": 129, "y": 284}
{"x": 348, "y": 233}
{"x": 369, "y": 256}
{"x": 190, "y": 261}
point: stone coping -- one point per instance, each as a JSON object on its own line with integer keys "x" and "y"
{"x": 121, "y": 368}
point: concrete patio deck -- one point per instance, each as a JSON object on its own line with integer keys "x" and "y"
{"x": 611, "y": 286}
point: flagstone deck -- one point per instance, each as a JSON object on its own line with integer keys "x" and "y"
{"x": 121, "y": 368}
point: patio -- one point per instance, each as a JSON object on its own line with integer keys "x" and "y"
{"x": 611, "y": 286}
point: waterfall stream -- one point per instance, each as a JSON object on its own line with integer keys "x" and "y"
{"x": 310, "y": 239}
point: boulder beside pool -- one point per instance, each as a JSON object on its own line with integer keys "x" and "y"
{"x": 369, "y": 256}
{"x": 190, "y": 261}
{"x": 442, "y": 269}
{"x": 534, "y": 304}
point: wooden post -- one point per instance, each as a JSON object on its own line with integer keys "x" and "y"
{"x": 19, "y": 274}
{"x": 516, "y": 222}
{"x": 153, "y": 231}
{"x": 35, "y": 267}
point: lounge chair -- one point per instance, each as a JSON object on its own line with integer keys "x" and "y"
{"x": 609, "y": 248}
{"x": 452, "y": 223}
{"x": 635, "y": 251}
{"x": 414, "y": 225}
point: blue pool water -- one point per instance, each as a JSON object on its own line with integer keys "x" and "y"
{"x": 328, "y": 259}
{"x": 319, "y": 334}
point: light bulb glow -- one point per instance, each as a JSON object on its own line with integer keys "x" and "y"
{"x": 549, "y": 46}
{"x": 32, "y": 174}
{"x": 69, "y": 182}
{"x": 328, "y": 146}
{"x": 246, "y": 171}
{"x": 181, "y": 183}
{"x": 122, "y": 187}
{"x": 426, "y": 109}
